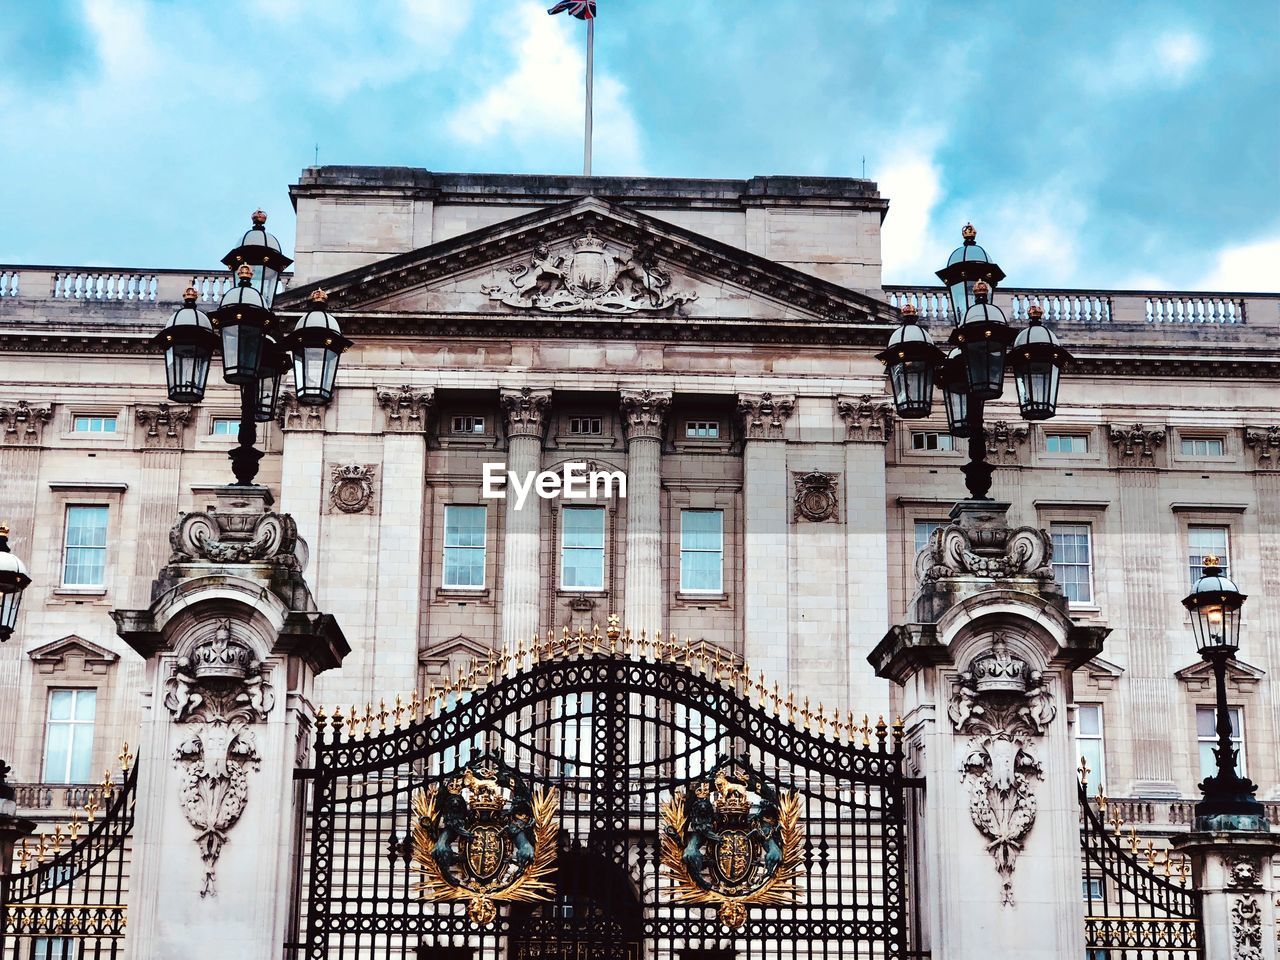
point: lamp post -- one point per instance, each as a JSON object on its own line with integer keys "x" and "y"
{"x": 255, "y": 355}
{"x": 1215, "y": 603}
{"x": 13, "y": 580}
{"x": 983, "y": 346}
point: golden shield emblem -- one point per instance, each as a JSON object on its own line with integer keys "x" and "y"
{"x": 486, "y": 852}
{"x": 735, "y": 856}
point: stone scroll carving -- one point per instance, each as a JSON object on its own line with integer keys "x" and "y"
{"x": 586, "y": 276}
{"x": 526, "y": 411}
{"x": 983, "y": 545}
{"x": 1246, "y": 929}
{"x": 219, "y": 690}
{"x": 225, "y": 537}
{"x": 1003, "y": 707}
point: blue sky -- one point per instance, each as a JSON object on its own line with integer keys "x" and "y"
{"x": 1094, "y": 144}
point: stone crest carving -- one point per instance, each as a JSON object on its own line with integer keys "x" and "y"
{"x": 23, "y": 423}
{"x": 586, "y": 276}
{"x": 351, "y": 490}
{"x": 866, "y": 419}
{"x": 1265, "y": 444}
{"x": 644, "y": 413}
{"x": 220, "y": 689}
{"x": 815, "y": 497}
{"x": 237, "y": 537}
{"x": 1137, "y": 444}
{"x": 1003, "y": 706}
{"x": 1246, "y": 929}
{"x": 298, "y": 416}
{"x": 1004, "y": 441}
{"x": 406, "y": 408}
{"x": 982, "y": 544}
{"x": 526, "y": 411}
{"x": 164, "y": 425}
{"x": 764, "y": 415}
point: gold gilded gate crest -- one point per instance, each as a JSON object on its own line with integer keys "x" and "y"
{"x": 729, "y": 839}
{"x": 482, "y": 836}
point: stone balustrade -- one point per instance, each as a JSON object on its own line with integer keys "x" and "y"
{"x": 52, "y": 799}
{"x": 1150, "y": 814}
{"x": 112, "y": 284}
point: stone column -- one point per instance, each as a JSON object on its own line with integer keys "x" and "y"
{"x": 1234, "y": 872}
{"x": 302, "y": 465}
{"x": 163, "y": 428}
{"x": 525, "y": 411}
{"x": 986, "y": 670}
{"x": 1264, "y": 444}
{"x": 766, "y": 505}
{"x": 644, "y": 414}
{"x": 232, "y": 645}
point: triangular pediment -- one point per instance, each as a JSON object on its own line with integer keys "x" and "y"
{"x": 1198, "y": 676}
{"x": 72, "y": 653}
{"x": 590, "y": 259}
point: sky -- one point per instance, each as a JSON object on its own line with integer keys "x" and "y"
{"x": 1094, "y": 144}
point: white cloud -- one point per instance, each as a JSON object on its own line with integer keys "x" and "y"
{"x": 911, "y": 180}
{"x": 1246, "y": 267}
{"x": 540, "y": 100}
{"x": 1141, "y": 61}
{"x": 1035, "y": 234}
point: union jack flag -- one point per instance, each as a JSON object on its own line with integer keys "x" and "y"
{"x": 582, "y": 9}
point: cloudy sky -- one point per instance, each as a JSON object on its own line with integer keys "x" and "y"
{"x": 1093, "y": 143}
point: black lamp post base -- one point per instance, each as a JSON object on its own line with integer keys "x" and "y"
{"x": 244, "y": 464}
{"x": 1229, "y": 804}
{"x": 977, "y": 477}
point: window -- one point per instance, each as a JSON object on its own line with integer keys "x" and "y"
{"x": 1066, "y": 443}
{"x": 925, "y": 529}
{"x": 702, "y": 429}
{"x": 586, "y": 426}
{"x": 582, "y": 548}
{"x": 464, "y": 532}
{"x": 1203, "y": 447}
{"x": 1207, "y": 735}
{"x": 571, "y": 733}
{"x": 1089, "y": 744}
{"x": 932, "y": 441}
{"x": 1091, "y": 888}
{"x": 53, "y": 948}
{"x": 93, "y": 425}
{"x": 224, "y": 427}
{"x": 1073, "y": 560}
{"x": 702, "y": 551}
{"x": 467, "y": 424}
{"x": 68, "y": 737}
{"x": 85, "y": 559}
{"x": 1203, "y": 542}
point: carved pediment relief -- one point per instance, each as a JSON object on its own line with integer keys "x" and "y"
{"x": 72, "y": 654}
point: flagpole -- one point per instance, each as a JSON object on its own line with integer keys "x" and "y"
{"x": 586, "y": 145}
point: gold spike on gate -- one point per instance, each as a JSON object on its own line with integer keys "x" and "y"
{"x": 321, "y": 720}
{"x": 822, "y": 719}
{"x": 398, "y": 711}
{"x": 837, "y": 727}
{"x": 125, "y": 758}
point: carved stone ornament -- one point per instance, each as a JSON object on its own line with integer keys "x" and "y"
{"x": 526, "y": 411}
{"x": 406, "y": 408}
{"x": 1003, "y": 707}
{"x": 866, "y": 419}
{"x": 587, "y": 276}
{"x": 644, "y": 413}
{"x": 298, "y": 416}
{"x": 1246, "y": 929}
{"x": 815, "y": 497}
{"x": 1243, "y": 873}
{"x": 1137, "y": 444}
{"x": 164, "y": 425}
{"x": 731, "y": 840}
{"x": 229, "y": 537}
{"x": 1004, "y": 441}
{"x": 982, "y": 544}
{"x": 352, "y": 488}
{"x": 1265, "y": 444}
{"x": 220, "y": 690}
{"x": 23, "y": 423}
{"x": 764, "y": 415}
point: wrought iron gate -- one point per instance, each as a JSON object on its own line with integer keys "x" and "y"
{"x": 591, "y": 798}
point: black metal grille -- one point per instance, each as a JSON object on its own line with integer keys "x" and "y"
{"x": 615, "y": 735}
{"x": 1138, "y": 904}
{"x": 67, "y": 899}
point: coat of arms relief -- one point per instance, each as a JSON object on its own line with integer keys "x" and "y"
{"x": 586, "y": 276}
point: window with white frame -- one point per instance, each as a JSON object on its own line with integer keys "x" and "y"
{"x": 84, "y": 559}
{"x": 702, "y": 551}
{"x": 93, "y": 424}
{"x": 1073, "y": 560}
{"x": 1202, "y": 446}
{"x": 68, "y": 736}
{"x": 571, "y": 726}
{"x": 1066, "y": 443}
{"x": 464, "y": 546}
{"x": 586, "y": 426}
{"x": 1204, "y": 541}
{"x": 702, "y": 429}
{"x": 54, "y": 948}
{"x": 467, "y": 424}
{"x": 696, "y": 741}
{"x": 582, "y": 548}
{"x": 1089, "y": 746}
{"x": 932, "y": 440}
{"x": 924, "y": 530}
{"x": 1207, "y": 738}
{"x": 224, "y": 427}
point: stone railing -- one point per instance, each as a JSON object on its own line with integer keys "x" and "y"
{"x": 1172, "y": 815}
{"x": 109, "y": 284}
{"x": 1097, "y": 306}
{"x": 53, "y": 798}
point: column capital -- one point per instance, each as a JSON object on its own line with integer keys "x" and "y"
{"x": 296, "y": 416}
{"x": 1136, "y": 445}
{"x": 1265, "y": 444}
{"x": 644, "y": 413}
{"x": 525, "y": 409}
{"x": 22, "y": 422}
{"x": 165, "y": 425}
{"x": 867, "y": 419}
{"x": 406, "y": 408}
{"x": 764, "y": 415}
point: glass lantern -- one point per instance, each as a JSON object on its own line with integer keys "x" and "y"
{"x": 911, "y": 360}
{"x": 189, "y": 341}
{"x": 317, "y": 343}
{"x": 242, "y": 320}
{"x": 1214, "y": 604}
{"x": 1037, "y": 359}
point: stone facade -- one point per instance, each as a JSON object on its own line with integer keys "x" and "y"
{"x": 715, "y": 341}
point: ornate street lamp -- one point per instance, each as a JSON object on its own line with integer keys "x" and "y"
{"x": 13, "y": 580}
{"x": 254, "y": 356}
{"x": 1215, "y": 603}
{"x": 973, "y": 372}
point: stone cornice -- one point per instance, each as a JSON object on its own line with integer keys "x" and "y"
{"x": 525, "y": 411}
{"x": 644, "y": 413}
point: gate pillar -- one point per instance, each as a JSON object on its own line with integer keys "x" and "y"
{"x": 1234, "y": 873}
{"x": 233, "y": 641}
{"x": 985, "y": 667}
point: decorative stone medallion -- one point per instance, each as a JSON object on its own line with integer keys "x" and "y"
{"x": 352, "y": 488}
{"x": 815, "y": 497}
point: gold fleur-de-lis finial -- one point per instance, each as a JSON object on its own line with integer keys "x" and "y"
{"x": 125, "y": 758}
{"x": 1083, "y": 770}
{"x": 398, "y": 711}
{"x": 382, "y": 716}
{"x": 91, "y": 806}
